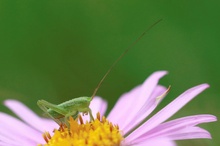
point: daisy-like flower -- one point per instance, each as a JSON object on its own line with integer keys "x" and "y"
{"x": 124, "y": 126}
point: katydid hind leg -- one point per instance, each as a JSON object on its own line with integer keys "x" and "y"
{"x": 45, "y": 108}
{"x": 44, "y": 105}
{"x": 53, "y": 107}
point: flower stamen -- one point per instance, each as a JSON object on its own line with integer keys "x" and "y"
{"x": 46, "y": 136}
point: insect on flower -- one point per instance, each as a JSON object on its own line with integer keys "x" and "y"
{"x": 60, "y": 113}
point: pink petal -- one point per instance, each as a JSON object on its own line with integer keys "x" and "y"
{"x": 157, "y": 142}
{"x": 168, "y": 111}
{"x": 165, "y": 129}
{"x": 28, "y": 116}
{"x": 7, "y": 141}
{"x": 149, "y": 106}
{"x": 50, "y": 124}
{"x": 191, "y": 133}
{"x": 8, "y": 144}
{"x": 135, "y": 99}
{"x": 97, "y": 105}
{"x": 120, "y": 110}
{"x": 18, "y": 131}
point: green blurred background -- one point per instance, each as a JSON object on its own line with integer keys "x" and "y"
{"x": 57, "y": 50}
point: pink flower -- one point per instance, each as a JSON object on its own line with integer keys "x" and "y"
{"x": 129, "y": 111}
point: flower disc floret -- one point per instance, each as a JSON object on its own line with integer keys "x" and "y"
{"x": 95, "y": 133}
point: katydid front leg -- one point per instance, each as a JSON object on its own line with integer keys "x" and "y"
{"x": 87, "y": 110}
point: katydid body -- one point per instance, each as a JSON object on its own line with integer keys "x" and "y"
{"x": 61, "y": 112}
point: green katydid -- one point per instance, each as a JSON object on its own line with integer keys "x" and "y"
{"x": 60, "y": 113}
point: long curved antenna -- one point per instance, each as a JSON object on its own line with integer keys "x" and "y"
{"x": 119, "y": 58}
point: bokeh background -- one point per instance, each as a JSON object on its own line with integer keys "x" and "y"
{"x": 57, "y": 50}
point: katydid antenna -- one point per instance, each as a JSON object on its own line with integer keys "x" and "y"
{"x": 119, "y": 58}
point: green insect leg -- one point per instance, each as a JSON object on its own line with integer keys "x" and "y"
{"x": 44, "y": 105}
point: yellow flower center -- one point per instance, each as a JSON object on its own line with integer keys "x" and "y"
{"x": 99, "y": 132}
